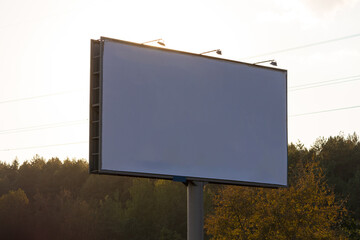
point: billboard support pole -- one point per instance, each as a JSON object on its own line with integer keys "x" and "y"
{"x": 195, "y": 210}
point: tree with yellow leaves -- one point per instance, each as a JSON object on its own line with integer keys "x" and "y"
{"x": 305, "y": 210}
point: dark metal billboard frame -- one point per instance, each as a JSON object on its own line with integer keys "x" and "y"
{"x": 95, "y": 120}
{"x": 95, "y": 106}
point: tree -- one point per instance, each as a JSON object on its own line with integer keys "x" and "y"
{"x": 77, "y": 218}
{"x": 112, "y": 220}
{"x": 305, "y": 210}
{"x": 29, "y": 176}
{"x": 97, "y": 187}
{"x": 156, "y": 209}
{"x": 171, "y": 210}
{"x": 8, "y": 176}
{"x": 14, "y": 213}
{"x": 62, "y": 217}
{"x": 340, "y": 158}
{"x": 72, "y": 175}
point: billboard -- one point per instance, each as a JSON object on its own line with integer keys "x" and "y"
{"x": 162, "y": 113}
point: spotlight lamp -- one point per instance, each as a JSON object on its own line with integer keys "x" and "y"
{"x": 159, "y": 41}
{"x": 272, "y": 62}
{"x": 218, "y": 51}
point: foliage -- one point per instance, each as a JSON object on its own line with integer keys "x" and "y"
{"x": 14, "y": 207}
{"x": 155, "y": 210}
{"x": 305, "y": 210}
{"x": 57, "y": 199}
{"x": 340, "y": 157}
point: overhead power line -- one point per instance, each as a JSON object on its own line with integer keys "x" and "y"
{"x": 304, "y": 46}
{"x": 44, "y": 146}
{"x": 332, "y": 80}
{"x": 324, "y": 111}
{"x": 39, "y": 96}
{"x": 324, "y": 83}
{"x": 45, "y": 126}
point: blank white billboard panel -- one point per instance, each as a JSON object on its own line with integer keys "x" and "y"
{"x": 168, "y": 113}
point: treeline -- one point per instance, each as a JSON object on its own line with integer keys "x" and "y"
{"x": 56, "y": 199}
{"x": 61, "y": 200}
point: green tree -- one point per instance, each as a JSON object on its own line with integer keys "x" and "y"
{"x": 77, "y": 218}
{"x": 29, "y": 177}
{"x": 72, "y": 175}
{"x": 97, "y": 187}
{"x": 140, "y": 211}
{"x": 62, "y": 217}
{"x": 112, "y": 220}
{"x": 156, "y": 209}
{"x": 340, "y": 158}
{"x": 14, "y": 214}
{"x": 171, "y": 210}
{"x": 8, "y": 176}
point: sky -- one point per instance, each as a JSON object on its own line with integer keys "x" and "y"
{"x": 45, "y": 60}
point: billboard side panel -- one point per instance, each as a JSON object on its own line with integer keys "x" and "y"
{"x": 95, "y": 106}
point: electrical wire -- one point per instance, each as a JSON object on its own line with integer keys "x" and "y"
{"x": 43, "y": 146}
{"x": 332, "y": 80}
{"x": 324, "y": 111}
{"x": 45, "y": 126}
{"x": 40, "y": 96}
{"x": 315, "y": 85}
{"x": 304, "y": 46}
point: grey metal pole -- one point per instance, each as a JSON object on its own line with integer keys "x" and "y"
{"x": 195, "y": 210}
